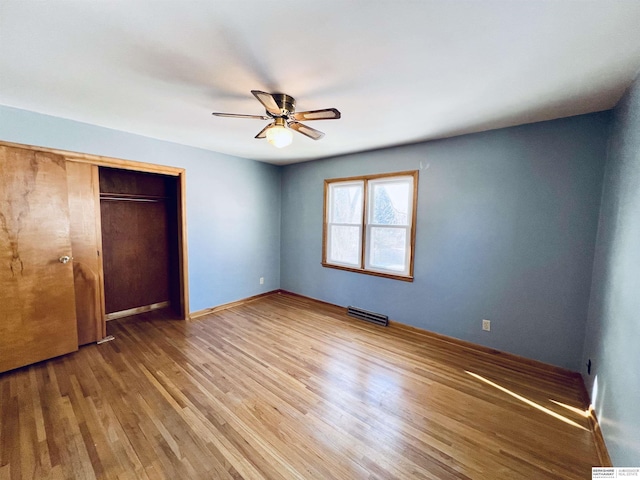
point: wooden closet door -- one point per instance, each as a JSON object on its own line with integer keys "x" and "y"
{"x": 37, "y": 300}
{"x": 86, "y": 243}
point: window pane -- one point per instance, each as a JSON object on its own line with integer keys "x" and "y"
{"x": 346, "y": 203}
{"x": 386, "y": 215}
{"x": 390, "y": 202}
{"x": 388, "y": 248}
{"x": 344, "y": 245}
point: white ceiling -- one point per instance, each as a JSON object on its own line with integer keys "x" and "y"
{"x": 399, "y": 71}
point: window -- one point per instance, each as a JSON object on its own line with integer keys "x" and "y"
{"x": 369, "y": 224}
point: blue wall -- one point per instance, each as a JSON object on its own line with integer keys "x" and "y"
{"x": 506, "y": 229}
{"x": 613, "y": 330}
{"x": 233, "y": 204}
{"x": 507, "y": 224}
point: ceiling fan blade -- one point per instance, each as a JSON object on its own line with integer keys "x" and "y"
{"x": 308, "y": 131}
{"x": 263, "y": 132}
{"x": 239, "y": 115}
{"x": 268, "y": 101}
{"x": 324, "y": 114}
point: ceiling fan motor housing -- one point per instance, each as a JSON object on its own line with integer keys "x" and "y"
{"x": 286, "y": 103}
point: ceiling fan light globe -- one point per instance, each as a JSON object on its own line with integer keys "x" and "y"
{"x": 279, "y": 136}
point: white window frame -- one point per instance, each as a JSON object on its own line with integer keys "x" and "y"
{"x": 366, "y": 226}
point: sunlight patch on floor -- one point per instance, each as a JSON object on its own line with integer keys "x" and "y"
{"x": 531, "y": 403}
{"x": 579, "y": 411}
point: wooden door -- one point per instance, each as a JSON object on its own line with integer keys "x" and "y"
{"x": 86, "y": 243}
{"x": 37, "y": 300}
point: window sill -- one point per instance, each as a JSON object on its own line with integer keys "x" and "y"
{"x": 404, "y": 278}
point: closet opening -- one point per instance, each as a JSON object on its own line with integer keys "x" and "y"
{"x": 141, "y": 242}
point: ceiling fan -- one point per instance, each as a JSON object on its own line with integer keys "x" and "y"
{"x": 281, "y": 108}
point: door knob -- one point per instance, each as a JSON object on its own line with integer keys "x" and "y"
{"x": 64, "y": 259}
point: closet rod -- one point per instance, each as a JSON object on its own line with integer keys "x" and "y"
{"x": 132, "y": 199}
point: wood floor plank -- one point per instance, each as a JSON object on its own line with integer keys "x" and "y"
{"x": 284, "y": 387}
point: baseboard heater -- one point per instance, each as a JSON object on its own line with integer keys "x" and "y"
{"x": 367, "y": 316}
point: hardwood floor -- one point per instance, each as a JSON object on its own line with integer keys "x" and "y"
{"x": 287, "y": 388}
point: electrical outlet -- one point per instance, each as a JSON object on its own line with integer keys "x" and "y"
{"x": 261, "y": 280}
{"x": 486, "y": 325}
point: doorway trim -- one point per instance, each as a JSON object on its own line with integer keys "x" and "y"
{"x": 180, "y": 173}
